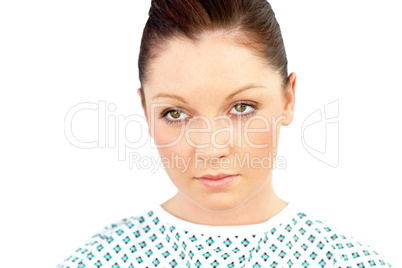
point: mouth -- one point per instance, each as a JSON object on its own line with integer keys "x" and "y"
{"x": 217, "y": 176}
{"x": 217, "y": 181}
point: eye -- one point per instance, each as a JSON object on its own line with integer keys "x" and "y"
{"x": 172, "y": 116}
{"x": 241, "y": 109}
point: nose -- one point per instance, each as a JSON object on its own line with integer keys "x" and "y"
{"x": 212, "y": 139}
{"x": 211, "y": 153}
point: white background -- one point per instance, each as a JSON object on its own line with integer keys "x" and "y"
{"x": 56, "y": 54}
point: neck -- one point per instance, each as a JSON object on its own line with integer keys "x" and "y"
{"x": 260, "y": 207}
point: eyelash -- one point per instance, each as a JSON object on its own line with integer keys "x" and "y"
{"x": 165, "y": 112}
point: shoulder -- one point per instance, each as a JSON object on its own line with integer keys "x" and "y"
{"x": 317, "y": 236}
{"x": 109, "y": 241}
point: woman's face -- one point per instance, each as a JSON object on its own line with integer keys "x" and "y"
{"x": 214, "y": 107}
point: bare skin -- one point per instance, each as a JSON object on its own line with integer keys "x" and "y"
{"x": 204, "y": 76}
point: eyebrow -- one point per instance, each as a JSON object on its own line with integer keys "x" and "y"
{"x": 168, "y": 95}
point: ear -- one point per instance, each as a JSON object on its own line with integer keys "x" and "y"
{"x": 144, "y": 109}
{"x": 288, "y": 109}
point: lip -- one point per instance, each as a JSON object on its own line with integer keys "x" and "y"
{"x": 217, "y": 181}
{"x": 216, "y": 177}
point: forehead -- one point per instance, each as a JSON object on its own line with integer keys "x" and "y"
{"x": 214, "y": 64}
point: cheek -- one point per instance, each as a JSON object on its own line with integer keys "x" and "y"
{"x": 172, "y": 148}
{"x": 261, "y": 138}
{"x": 168, "y": 136}
{"x": 261, "y": 135}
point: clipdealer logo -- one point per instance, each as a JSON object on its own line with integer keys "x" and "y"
{"x": 321, "y": 125}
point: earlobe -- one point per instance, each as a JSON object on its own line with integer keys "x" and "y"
{"x": 290, "y": 100}
{"x": 139, "y": 93}
{"x": 145, "y": 112}
{"x": 142, "y": 103}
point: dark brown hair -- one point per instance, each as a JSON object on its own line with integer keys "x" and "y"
{"x": 250, "y": 23}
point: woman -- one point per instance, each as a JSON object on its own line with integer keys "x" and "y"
{"x": 215, "y": 90}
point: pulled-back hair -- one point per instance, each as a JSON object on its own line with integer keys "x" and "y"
{"x": 250, "y": 23}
